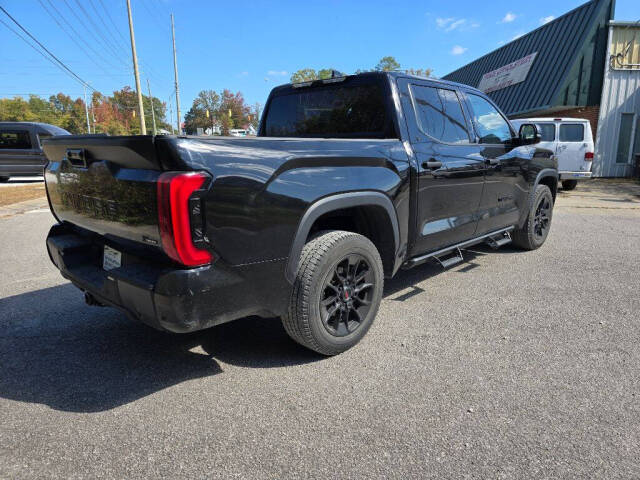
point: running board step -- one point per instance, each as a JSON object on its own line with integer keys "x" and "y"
{"x": 499, "y": 240}
{"x": 419, "y": 260}
{"x": 447, "y": 261}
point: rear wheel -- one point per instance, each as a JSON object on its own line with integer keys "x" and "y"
{"x": 569, "y": 184}
{"x": 536, "y": 228}
{"x": 336, "y": 293}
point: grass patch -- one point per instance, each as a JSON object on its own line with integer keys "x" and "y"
{"x": 11, "y": 195}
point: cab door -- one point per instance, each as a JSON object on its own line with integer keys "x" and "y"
{"x": 506, "y": 188}
{"x": 450, "y": 173}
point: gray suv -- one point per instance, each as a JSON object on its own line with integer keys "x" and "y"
{"x": 21, "y": 148}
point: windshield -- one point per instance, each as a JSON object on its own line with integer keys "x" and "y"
{"x": 338, "y": 110}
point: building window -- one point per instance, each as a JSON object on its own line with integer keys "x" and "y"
{"x": 636, "y": 144}
{"x": 439, "y": 114}
{"x": 571, "y": 132}
{"x": 624, "y": 138}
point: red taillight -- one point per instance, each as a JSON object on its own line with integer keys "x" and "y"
{"x": 174, "y": 217}
{"x": 588, "y": 156}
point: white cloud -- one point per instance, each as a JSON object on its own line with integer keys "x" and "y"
{"x": 458, "y": 50}
{"x": 547, "y": 19}
{"x": 509, "y": 17}
{"x": 449, "y": 24}
{"x": 278, "y": 73}
{"x": 244, "y": 74}
{"x": 517, "y": 36}
{"x": 456, "y": 24}
{"x": 443, "y": 22}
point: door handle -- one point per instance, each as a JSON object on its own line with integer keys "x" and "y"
{"x": 431, "y": 164}
{"x": 492, "y": 161}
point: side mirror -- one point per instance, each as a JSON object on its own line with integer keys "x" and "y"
{"x": 529, "y": 134}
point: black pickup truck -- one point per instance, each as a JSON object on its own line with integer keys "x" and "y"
{"x": 349, "y": 180}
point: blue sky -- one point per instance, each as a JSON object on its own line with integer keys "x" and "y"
{"x": 253, "y": 46}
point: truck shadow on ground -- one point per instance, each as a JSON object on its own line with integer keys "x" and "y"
{"x": 57, "y": 351}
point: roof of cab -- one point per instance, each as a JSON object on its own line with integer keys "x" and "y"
{"x": 53, "y": 129}
{"x": 381, "y": 74}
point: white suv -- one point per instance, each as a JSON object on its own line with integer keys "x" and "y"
{"x": 571, "y": 140}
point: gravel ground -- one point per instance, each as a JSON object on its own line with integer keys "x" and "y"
{"x": 511, "y": 365}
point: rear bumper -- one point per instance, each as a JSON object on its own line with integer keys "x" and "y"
{"x": 166, "y": 297}
{"x": 574, "y": 175}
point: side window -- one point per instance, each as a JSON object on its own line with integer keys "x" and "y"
{"x": 439, "y": 114}
{"x": 490, "y": 124}
{"x": 43, "y": 136}
{"x": 571, "y": 132}
{"x": 15, "y": 139}
{"x": 547, "y": 131}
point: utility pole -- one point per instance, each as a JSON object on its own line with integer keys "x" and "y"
{"x": 86, "y": 109}
{"x": 143, "y": 127}
{"x": 175, "y": 70}
{"x": 171, "y": 113}
{"x": 153, "y": 113}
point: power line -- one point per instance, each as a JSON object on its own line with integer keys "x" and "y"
{"x": 147, "y": 69}
{"x": 124, "y": 40}
{"x": 46, "y": 50}
{"x": 34, "y": 47}
{"x": 74, "y": 37}
{"x": 97, "y": 29}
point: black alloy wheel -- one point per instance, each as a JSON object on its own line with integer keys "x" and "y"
{"x": 346, "y": 297}
{"x": 535, "y": 230}
{"x": 336, "y": 293}
{"x": 542, "y": 219}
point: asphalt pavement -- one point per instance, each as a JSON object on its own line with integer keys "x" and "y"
{"x": 511, "y": 365}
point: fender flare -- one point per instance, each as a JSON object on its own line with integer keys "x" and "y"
{"x": 545, "y": 172}
{"x": 331, "y": 203}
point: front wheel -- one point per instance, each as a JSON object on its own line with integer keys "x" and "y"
{"x": 569, "y": 184}
{"x": 536, "y": 228}
{"x": 336, "y": 293}
{"x": 4, "y": 179}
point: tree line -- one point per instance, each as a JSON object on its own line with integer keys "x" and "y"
{"x": 115, "y": 114}
{"x": 386, "y": 64}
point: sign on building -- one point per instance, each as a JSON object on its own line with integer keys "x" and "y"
{"x": 511, "y": 74}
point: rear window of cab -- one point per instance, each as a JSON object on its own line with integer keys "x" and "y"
{"x": 343, "y": 109}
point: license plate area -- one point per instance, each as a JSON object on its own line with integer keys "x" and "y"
{"x": 111, "y": 258}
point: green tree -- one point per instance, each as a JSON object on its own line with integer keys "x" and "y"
{"x": 387, "y": 64}
{"x": 304, "y": 75}
{"x": 309, "y": 74}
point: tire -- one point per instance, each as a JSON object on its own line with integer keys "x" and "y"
{"x": 569, "y": 184}
{"x": 4, "y": 179}
{"x": 536, "y": 228}
{"x": 332, "y": 309}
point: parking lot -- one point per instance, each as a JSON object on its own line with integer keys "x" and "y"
{"x": 511, "y": 365}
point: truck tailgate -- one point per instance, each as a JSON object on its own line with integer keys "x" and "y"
{"x": 105, "y": 184}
